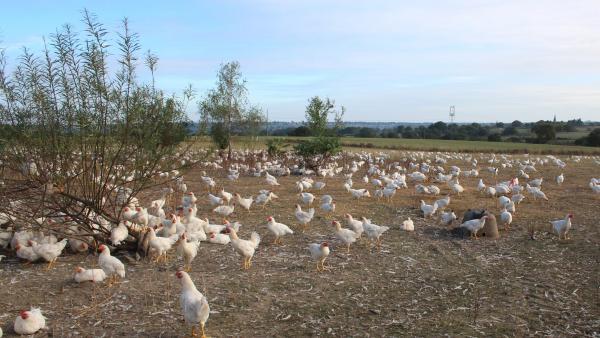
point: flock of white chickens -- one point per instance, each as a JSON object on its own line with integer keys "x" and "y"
{"x": 172, "y": 221}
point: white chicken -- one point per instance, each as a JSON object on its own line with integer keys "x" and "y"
{"x": 447, "y": 218}
{"x": 355, "y": 225}
{"x": 562, "y": 226}
{"x": 560, "y": 179}
{"x": 474, "y": 225}
{"x": 245, "y": 203}
{"x": 306, "y": 198}
{"x": 517, "y": 198}
{"x": 319, "y": 253}
{"x": 112, "y": 266}
{"x": 91, "y": 275}
{"x": 346, "y": 236}
{"x": 505, "y": 218}
{"x": 456, "y": 187}
{"x": 160, "y": 245}
{"x": 442, "y": 203}
{"x": 328, "y": 207}
{"x": 244, "y": 247}
{"x": 128, "y": 214}
{"x": 389, "y": 193}
{"x": 218, "y": 238}
{"x": 188, "y": 199}
{"x": 359, "y": 193}
{"x": 374, "y": 231}
{"x": 194, "y": 304}
{"x": 536, "y": 192}
{"x": 503, "y": 200}
{"x": 214, "y": 200}
{"x": 408, "y": 225}
{"x": 278, "y": 229}
{"x": 50, "y": 251}
{"x": 226, "y": 195}
{"x": 224, "y": 210}
{"x": 271, "y": 180}
{"x": 480, "y": 185}
{"x": 26, "y": 253}
{"x": 29, "y": 322}
{"x": 304, "y": 217}
{"x": 319, "y": 185}
{"x": 537, "y": 182}
{"x": 428, "y": 210}
{"x": 187, "y": 250}
{"x": 326, "y": 199}
{"x": 118, "y": 234}
{"x": 265, "y": 197}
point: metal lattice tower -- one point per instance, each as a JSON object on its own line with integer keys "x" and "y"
{"x": 452, "y": 114}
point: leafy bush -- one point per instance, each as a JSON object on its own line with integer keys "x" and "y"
{"x": 495, "y": 137}
{"x": 275, "y": 146}
{"x": 510, "y": 130}
{"x": 545, "y": 131}
{"x": 81, "y": 134}
{"x": 317, "y": 150}
{"x": 220, "y": 136}
{"x": 592, "y": 140}
{"x": 514, "y": 139}
{"x": 300, "y": 131}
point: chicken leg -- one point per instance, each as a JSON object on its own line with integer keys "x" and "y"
{"x": 348, "y": 248}
{"x": 202, "y": 328}
{"x": 323, "y": 267}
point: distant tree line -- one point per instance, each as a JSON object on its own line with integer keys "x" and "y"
{"x": 516, "y": 131}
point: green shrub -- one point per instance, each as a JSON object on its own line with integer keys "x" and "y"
{"x": 275, "y": 146}
{"x": 317, "y": 150}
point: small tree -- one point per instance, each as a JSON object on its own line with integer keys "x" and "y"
{"x": 510, "y": 130}
{"x": 225, "y": 110}
{"x": 80, "y": 140}
{"x": 592, "y": 140}
{"x": 495, "y": 137}
{"x": 517, "y": 124}
{"x": 275, "y": 146}
{"x": 325, "y": 143}
{"x": 545, "y": 131}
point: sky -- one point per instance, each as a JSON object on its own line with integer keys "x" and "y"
{"x": 494, "y": 60}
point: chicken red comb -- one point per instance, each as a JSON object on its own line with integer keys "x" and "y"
{"x": 571, "y": 215}
{"x": 325, "y": 244}
{"x": 333, "y": 222}
{"x": 179, "y": 274}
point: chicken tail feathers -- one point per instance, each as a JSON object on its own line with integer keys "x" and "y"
{"x": 255, "y": 238}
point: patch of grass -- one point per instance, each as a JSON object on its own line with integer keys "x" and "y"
{"x": 430, "y": 145}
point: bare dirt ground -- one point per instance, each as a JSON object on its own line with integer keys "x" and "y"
{"x": 425, "y": 283}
